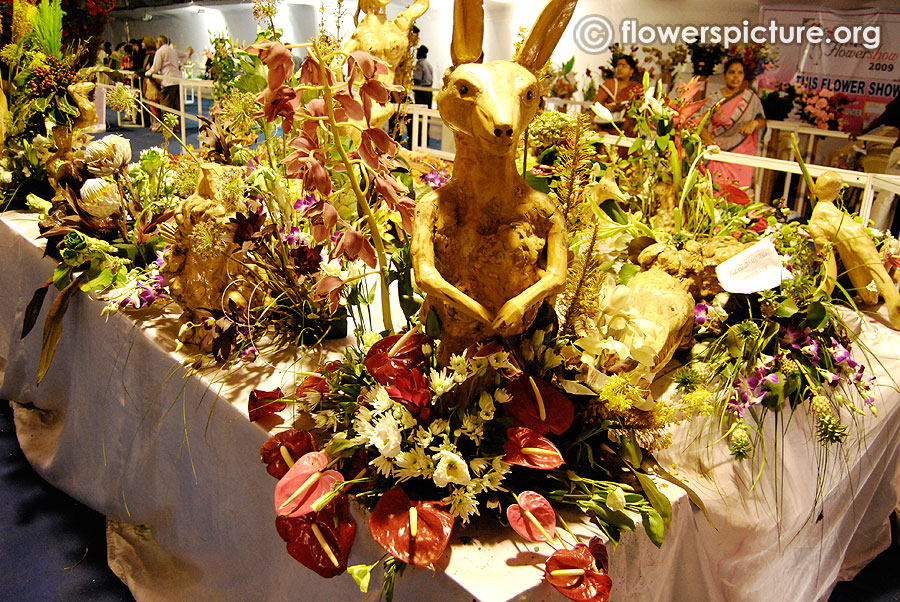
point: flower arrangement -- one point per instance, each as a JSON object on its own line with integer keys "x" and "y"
{"x": 779, "y": 101}
{"x": 705, "y": 57}
{"x": 758, "y": 57}
{"x": 666, "y": 63}
{"x": 822, "y": 109}
{"x": 562, "y": 83}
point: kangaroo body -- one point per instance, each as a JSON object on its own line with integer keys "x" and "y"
{"x": 489, "y": 249}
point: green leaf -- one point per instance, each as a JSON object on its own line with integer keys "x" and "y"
{"x": 629, "y": 450}
{"x": 816, "y": 315}
{"x": 432, "y": 324}
{"x": 53, "y": 326}
{"x": 787, "y": 308}
{"x": 98, "y": 282}
{"x": 567, "y": 66}
{"x": 34, "y": 308}
{"x": 654, "y": 526}
{"x": 659, "y": 501}
{"x": 627, "y": 272}
{"x": 62, "y": 275}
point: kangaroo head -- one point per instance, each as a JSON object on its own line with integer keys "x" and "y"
{"x": 493, "y": 103}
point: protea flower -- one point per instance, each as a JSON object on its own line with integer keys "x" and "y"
{"x": 100, "y": 198}
{"x": 108, "y": 155}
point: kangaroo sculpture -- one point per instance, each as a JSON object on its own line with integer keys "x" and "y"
{"x": 488, "y": 249}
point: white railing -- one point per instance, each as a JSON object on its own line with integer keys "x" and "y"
{"x": 196, "y": 87}
{"x": 424, "y": 121}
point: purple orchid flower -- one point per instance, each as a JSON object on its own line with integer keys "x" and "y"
{"x": 436, "y": 178}
{"x": 841, "y": 354}
{"x": 701, "y": 312}
{"x": 307, "y": 201}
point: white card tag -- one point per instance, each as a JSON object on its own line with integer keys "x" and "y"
{"x": 755, "y": 269}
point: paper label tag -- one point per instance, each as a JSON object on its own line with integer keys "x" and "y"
{"x": 755, "y": 269}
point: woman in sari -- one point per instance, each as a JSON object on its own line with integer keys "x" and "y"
{"x": 615, "y": 93}
{"x": 735, "y": 124}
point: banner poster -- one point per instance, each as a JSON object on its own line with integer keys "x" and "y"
{"x": 866, "y": 69}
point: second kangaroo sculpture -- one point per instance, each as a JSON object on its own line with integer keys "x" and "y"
{"x": 489, "y": 249}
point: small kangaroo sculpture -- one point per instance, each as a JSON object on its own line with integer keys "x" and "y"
{"x": 488, "y": 249}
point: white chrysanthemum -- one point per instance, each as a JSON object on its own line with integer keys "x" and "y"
{"x": 403, "y": 417}
{"x": 369, "y": 338}
{"x": 413, "y": 464}
{"x": 441, "y": 381}
{"x": 423, "y": 437}
{"x": 472, "y": 427}
{"x": 100, "y": 198}
{"x": 478, "y": 465}
{"x": 383, "y": 466}
{"x": 502, "y": 396}
{"x": 460, "y": 366}
{"x": 463, "y": 504}
{"x": 486, "y": 406}
{"x": 378, "y": 398}
{"x": 499, "y": 360}
{"x": 438, "y": 426}
{"x": 386, "y": 437}
{"x": 451, "y": 468}
{"x": 331, "y": 268}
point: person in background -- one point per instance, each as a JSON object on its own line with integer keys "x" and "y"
{"x": 166, "y": 68}
{"x": 423, "y": 76}
{"x": 614, "y": 93}
{"x": 126, "y": 62}
{"x": 735, "y": 124}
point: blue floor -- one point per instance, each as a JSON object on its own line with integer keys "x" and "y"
{"x": 52, "y": 548}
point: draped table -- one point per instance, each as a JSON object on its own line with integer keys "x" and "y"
{"x": 173, "y": 461}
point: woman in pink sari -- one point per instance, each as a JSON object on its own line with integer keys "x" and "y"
{"x": 735, "y": 124}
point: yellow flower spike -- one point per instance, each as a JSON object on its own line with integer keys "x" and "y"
{"x": 537, "y": 524}
{"x": 321, "y": 539}
{"x": 302, "y": 488}
{"x": 542, "y": 412}
{"x": 286, "y": 455}
{"x": 413, "y": 521}
{"x": 537, "y": 451}
{"x": 566, "y": 572}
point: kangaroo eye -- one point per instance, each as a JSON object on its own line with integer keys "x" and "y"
{"x": 463, "y": 90}
{"x": 530, "y": 94}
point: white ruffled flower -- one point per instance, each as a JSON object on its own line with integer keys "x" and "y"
{"x": 100, "y": 197}
{"x": 383, "y": 466}
{"x": 386, "y": 437}
{"x": 615, "y": 499}
{"x": 451, "y": 468}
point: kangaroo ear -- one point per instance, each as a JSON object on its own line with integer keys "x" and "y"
{"x": 545, "y": 34}
{"x": 468, "y": 31}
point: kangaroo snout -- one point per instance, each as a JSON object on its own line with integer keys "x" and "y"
{"x": 503, "y": 130}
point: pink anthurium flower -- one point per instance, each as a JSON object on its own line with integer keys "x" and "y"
{"x": 526, "y": 448}
{"x": 532, "y": 517}
{"x": 413, "y": 532}
{"x": 574, "y": 574}
{"x": 539, "y": 405}
{"x": 321, "y": 541}
{"x": 305, "y": 483}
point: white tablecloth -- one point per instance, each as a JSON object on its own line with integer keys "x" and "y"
{"x": 173, "y": 461}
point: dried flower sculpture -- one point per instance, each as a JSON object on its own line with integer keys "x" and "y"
{"x": 834, "y": 230}
{"x": 385, "y": 40}
{"x": 489, "y": 249}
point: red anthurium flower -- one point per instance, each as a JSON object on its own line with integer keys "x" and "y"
{"x": 526, "y": 448}
{"x": 533, "y": 517}
{"x": 286, "y": 444}
{"x": 574, "y": 574}
{"x": 264, "y": 403}
{"x": 411, "y": 389}
{"x": 320, "y": 541}
{"x": 310, "y": 384}
{"x": 304, "y": 484}
{"x": 539, "y": 405}
{"x": 396, "y": 353}
{"x": 510, "y": 371}
{"x": 413, "y": 532}
{"x": 733, "y": 194}
{"x": 599, "y": 552}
